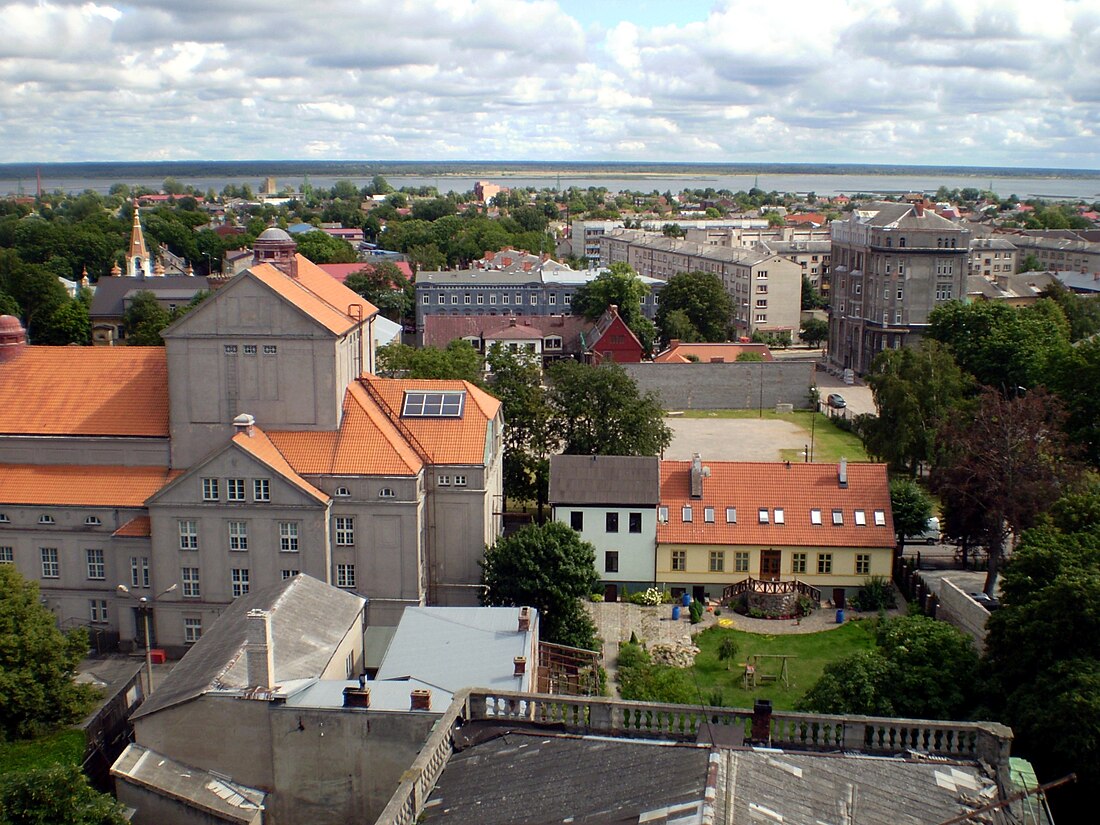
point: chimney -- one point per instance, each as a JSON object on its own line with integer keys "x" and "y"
{"x": 244, "y": 423}
{"x": 524, "y": 619}
{"x": 420, "y": 700}
{"x": 13, "y": 338}
{"x": 842, "y": 474}
{"x": 762, "y": 721}
{"x": 673, "y": 343}
{"x": 696, "y": 475}
{"x": 919, "y": 208}
{"x": 520, "y": 665}
{"x": 258, "y": 650}
{"x": 718, "y": 359}
{"x": 357, "y": 697}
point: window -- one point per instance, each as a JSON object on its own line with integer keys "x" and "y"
{"x": 708, "y": 515}
{"x": 780, "y": 516}
{"x": 576, "y": 520}
{"x": 761, "y": 317}
{"x": 534, "y": 300}
{"x": 493, "y": 298}
{"x": 943, "y": 292}
{"x": 288, "y": 536}
{"x": 762, "y": 515}
{"x": 189, "y": 534}
{"x": 611, "y": 522}
{"x": 238, "y": 535}
{"x": 679, "y": 559}
{"x": 798, "y": 563}
{"x": 189, "y": 576}
{"x": 345, "y": 575}
{"x": 192, "y": 630}
{"x": 139, "y": 571}
{"x": 685, "y": 514}
{"x": 239, "y": 579}
{"x": 46, "y": 519}
{"x": 92, "y": 521}
{"x": 234, "y": 489}
{"x": 97, "y": 611}
{"x": 460, "y": 481}
{"x": 901, "y": 292}
{"x": 717, "y": 561}
{"x": 289, "y": 574}
{"x": 815, "y": 516}
{"x": 7, "y": 555}
{"x": 506, "y": 298}
{"x": 249, "y": 349}
{"x": 465, "y": 299}
{"x": 860, "y": 518}
{"x": 443, "y": 481}
{"x": 51, "y": 567}
{"x": 424, "y": 300}
{"x": 270, "y": 349}
{"x": 230, "y": 349}
{"x": 342, "y": 492}
{"x": 345, "y": 531}
{"x": 897, "y": 316}
{"x": 386, "y": 492}
{"x": 553, "y": 299}
{"x": 662, "y": 514}
{"x": 480, "y": 299}
{"x": 442, "y": 299}
{"x": 731, "y": 515}
{"x": 433, "y": 404}
{"x": 741, "y": 561}
{"x": 863, "y": 564}
{"x": 635, "y": 522}
{"x": 4, "y": 518}
{"x": 569, "y": 299}
{"x": 454, "y": 299}
{"x": 611, "y": 561}
{"x": 761, "y": 303}
{"x": 553, "y": 342}
{"x": 880, "y": 518}
{"x": 261, "y": 489}
{"x": 824, "y": 562}
{"x": 97, "y": 570}
{"x": 838, "y": 517}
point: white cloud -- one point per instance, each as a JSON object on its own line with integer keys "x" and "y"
{"x": 984, "y": 82}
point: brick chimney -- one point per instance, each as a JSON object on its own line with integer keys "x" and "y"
{"x": 762, "y": 721}
{"x": 918, "y": 207}
{"x": 519, "y": 664}
{"x": 258, "y": 650}
{"x": 696, "y": 475}
{"x": 357, "y": 697}
{"x": 420, "y": 700}
{"x": 524, "y": 619}
{"x": 245, "y": 424}
{"x": 13, "y": 338}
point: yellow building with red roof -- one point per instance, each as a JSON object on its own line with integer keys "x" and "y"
{"x": 257, "y": 444}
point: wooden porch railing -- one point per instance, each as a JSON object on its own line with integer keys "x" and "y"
{"x": 731, "y": 591}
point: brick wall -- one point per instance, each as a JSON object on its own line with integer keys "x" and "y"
{"x": 734, "y": 386}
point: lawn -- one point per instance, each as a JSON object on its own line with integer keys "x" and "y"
{"x": 830, "y": 442}
{"x": 66, "y": 747}
{"x": 813, "y": 652}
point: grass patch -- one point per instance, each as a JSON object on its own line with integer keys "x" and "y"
{"x": 814, "y": 651}
{"x": 66, "y": 747}
{"x": 830, "y": 442}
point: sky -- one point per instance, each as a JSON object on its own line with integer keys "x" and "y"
{"x": 960, "y": 82}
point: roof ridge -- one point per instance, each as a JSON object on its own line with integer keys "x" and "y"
{"x": 390, "y": 432}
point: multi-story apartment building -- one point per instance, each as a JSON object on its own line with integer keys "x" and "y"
{"x": 812, "y": 257}
{"x": 892, "y": 264}
{"x": 766, "y": 287}
{"x": 992, "y": 257}
{"x": 1058, "y": 250}
{"x": 254, "y": 446}
{"x": 585, "y": 237}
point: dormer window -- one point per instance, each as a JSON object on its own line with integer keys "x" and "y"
{"x": 553, "y": 342}
{"x": 46, "y": 519}
{"x": 342, "y": 492}
{"x": 93, "y": 521}
{"x": 662, "y": 515}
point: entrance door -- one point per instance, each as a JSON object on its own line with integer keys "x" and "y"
{"x": 610, "y": 593}
{"x": 838, "y": 597}
{"x": 769, "y": 564}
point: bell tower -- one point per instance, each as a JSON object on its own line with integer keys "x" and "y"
{"x": 139, "y": 263}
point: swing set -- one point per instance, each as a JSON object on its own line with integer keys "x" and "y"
{"x": 754, "y": 675}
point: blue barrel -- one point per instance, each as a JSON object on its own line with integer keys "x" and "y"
{"x": 675, "y": 612}
{"x": 686, "y": 600}
{"x": 840, "y": 616}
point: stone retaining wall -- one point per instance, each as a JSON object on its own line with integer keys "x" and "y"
{"x": 735, "y": 386}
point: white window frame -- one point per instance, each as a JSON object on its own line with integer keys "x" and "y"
{"x": 261, "y": 489}
{"x": 344, "y": 530}
{"x": 345, "y": 575}
{"x": 234, "y": 489}
{"x": 880, "y": 518}
{"x": 238, "y": 535}
{"x": 51, "y": 562}
{"x": 96, "y": 560}
{"x": 860, "y": 518}
{"x": 211, "y": 490}
{"x": 708, "y": 515}
{"x": 815, "y": 516}
{"x": 780, "y": 516}
{"x": 190, "y": 580}
{"x": 290, "y": 574}
{"x": 731, "y": 515}
{"x": 192, "y": 630}
{"x": 686, "y": 514}
{"x": 189, "y": 534}
{"x": 139, "y": 571}
{"x": 762, "y": 516}
{"x": 97, "y": 611}
{"x": 288, "y": 537}
{"x": 838, "y": 518}
{"x": 239, "y": 579}
{"x": 7, "y": 554}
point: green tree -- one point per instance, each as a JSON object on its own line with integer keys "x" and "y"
{"x": 144, "y": 320}
{"x": 37, "y": 663}
{"x": 911, "y": 506}
{"x": 1082, "y": 312}
{"x": 727, "y": 650}
{"x": 1029, "y": 263}
{"x": 859, "y": 683}
{"x": 67, "y": 324}
{"x": 703, "y": 299}
{"x": 619, "y": 286}
{"x": 598, "y": 411}
{"x": 914, "y": 389}
{"x": 814, "y": 331}
{"x": 171, "y": 186}
{"x": 677, "y": 326}
{"x": 385, "y": 286}
{"x": 459, "y": 360}
{"x": 322, "y": 248}
{"x": 54, "y": 795}
{"x": 1076, "y": 379}
{"x": 548, "y": 567}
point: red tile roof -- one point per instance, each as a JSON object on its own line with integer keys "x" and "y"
{"x": 795, "y": 488}
{"x": 258, "y": 445}
{"x": 705, "y": 353}
{"x": 341, "y": 271}
{"x": 139, "y": 527}
{"x": 69, "y": 485}
{"x": 120, "y": 391}
{"x": 316, "y": 293}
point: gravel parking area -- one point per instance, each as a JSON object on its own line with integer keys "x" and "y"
{"x": 732, "y": 439}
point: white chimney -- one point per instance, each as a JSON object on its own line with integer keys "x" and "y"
{"x": 842, "y": 474}
{"x": 244, "y": 423}
{"x": 259, "y": 651}
{"x": 696, "y": 475}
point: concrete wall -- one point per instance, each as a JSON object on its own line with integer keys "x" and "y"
{"x": 958, "y": 609}
{"x": 734, "y": 386}
{"x": 126, "y": 452}
{"x": 154, "y": 809}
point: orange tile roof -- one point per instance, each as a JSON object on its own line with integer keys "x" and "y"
{"x": 367, "y": 443}
{"x": 796, "y": 488}
{"x": 316, "y": 293}
{"x": 121, "y": 391}
{"x": 261, "y": 447}
{"x": 446, "y": 440}
{"x": 70, "y": 485}
{"x": 705, "y": 352}
{"x": 137, "y": 527}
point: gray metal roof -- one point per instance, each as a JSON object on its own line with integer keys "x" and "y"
{"x": 309, "y": 619}
{"x": 459, "y": 647}
{"x": 712, "y": 252}
{"x": 225, "y": 800}
{"x": 535, "y": 777}
{"x": 605, "y": 479}
{"x": 111, "y": 293}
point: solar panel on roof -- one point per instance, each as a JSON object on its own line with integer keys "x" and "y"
{"x": 421, "y": 404}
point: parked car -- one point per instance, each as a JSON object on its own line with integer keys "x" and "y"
{"x": 986, "y": 601}
{"x": 930, "y": 534}
{"x": 836, "y": 401}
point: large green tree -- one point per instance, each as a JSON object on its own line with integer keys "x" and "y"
{"x": 1082, "y": 312}
{"x": 322, "y": 248}
{"x": 459, "y": 360}
{"x": 814, "y": 331}
{"x": 619, "y": 286}
{"x": 385, "y": 286}
{"x": 549, "y": 567}
{"x": 60, "y": 794}
{"x": 144, "y": 319}
{"x": 1076, "y": 379}
{"x": 911, "y": 507}
{"x": 599, "y": 411}
{"x": 702, "y": 298}
{"x": 37, "y": 663}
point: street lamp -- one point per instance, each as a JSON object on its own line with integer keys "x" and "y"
{"x": 145, "y": 607}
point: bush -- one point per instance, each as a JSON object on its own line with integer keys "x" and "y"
{"x": 695, "y": 611}
{"x": 650, "y": 597}
{"x": 717, "y": 611}
{"x": 596, "y": 597}
{"x": 877, "y": 593}
{"x": 806, "y": 606}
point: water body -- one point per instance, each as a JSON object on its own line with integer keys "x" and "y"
{"x": 1049, "y": 184}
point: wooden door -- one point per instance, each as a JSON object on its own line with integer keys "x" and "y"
{"x": 769, "y": 564}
